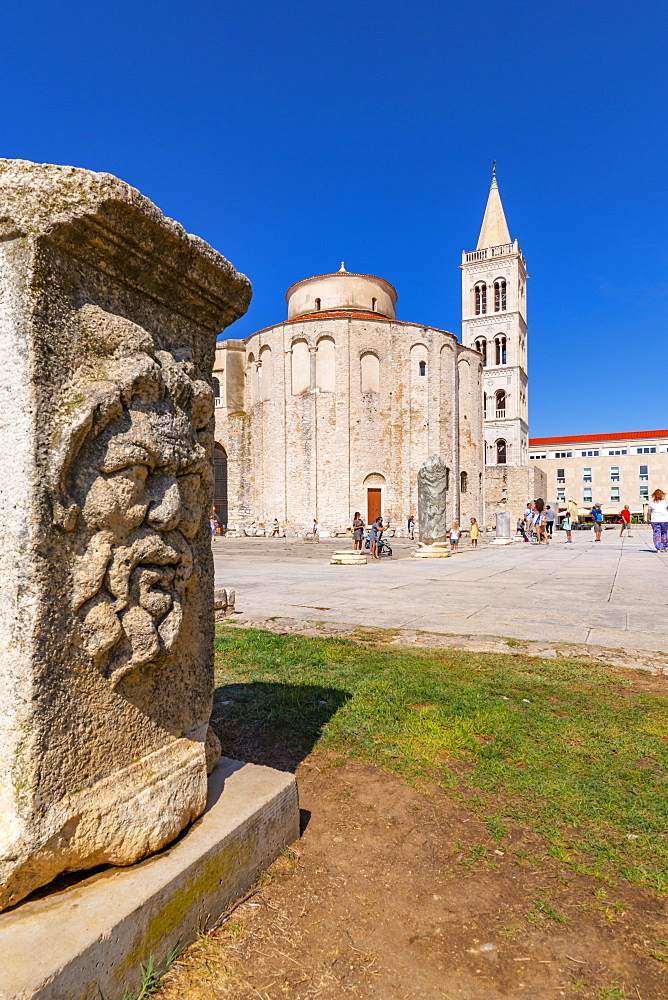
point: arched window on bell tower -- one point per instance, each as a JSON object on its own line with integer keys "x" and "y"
{"x": 500, "y": 403}
{"x": 481, "y": 346}
{"x": 480, "y": 298}
{"x": 501, "y": 350}
{"x": 501, "y": 450}
{"x": 500, "y": 295}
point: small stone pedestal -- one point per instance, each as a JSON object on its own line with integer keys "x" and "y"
{"x": 437, "y": 550}
{"x": 87, "y": 941}
{"x": 503, "y": 536}
{"x": 348, "y": 558}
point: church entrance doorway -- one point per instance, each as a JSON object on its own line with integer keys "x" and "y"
{"x": 373, "y": 504}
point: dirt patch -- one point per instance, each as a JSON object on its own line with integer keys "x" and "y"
{"x": 399, "y": 893}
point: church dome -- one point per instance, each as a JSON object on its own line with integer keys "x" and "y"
{"x": 341, "y": 291}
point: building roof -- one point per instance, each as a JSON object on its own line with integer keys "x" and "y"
{"x": 575, "y": 438}
{"x": 338, "y": 274}
{"x": 494, "y": 231}
{"x": 353, "y": 314}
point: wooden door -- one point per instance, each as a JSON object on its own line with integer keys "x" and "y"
{"x": 373, "y": 505}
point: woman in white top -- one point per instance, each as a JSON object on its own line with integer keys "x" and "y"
{"x": 657, "y": 516}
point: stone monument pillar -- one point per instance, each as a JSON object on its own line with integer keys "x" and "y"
{"x": 502, "y": 533}
{"x": 109, "y": 313}
{"x": 432, "y": 519}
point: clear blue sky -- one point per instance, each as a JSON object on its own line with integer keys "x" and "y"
{"x": 293, "y": 135}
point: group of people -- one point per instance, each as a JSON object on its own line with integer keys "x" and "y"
{"x": 375, "y": 534}
{"x": 537, "y": 522}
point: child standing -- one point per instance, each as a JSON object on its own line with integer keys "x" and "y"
{"x": 475, "y": 533}
{"x": 454, "y": 537}
{"x": 567, "y": 525}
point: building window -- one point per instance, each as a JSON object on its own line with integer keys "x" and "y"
{"x": 561, "y": 493}
{"x": 614, "y": 494}
{"x": 500, "y": 403}
{"x": 481, "y": 346}
{"x": 616, "y": 451}
{"x": 484, "y": 404}
{"x": 373, "y": 305}
{"x": 463, "y": 482}
{"x": 500, "y": 343}
{"x": 586, "y": 474}
{"x": 561, "y": 475}
{"x": 586, "y": 494}
{"x": 645, "y": 451}
{"x": 301, "y": 368}
{"x": 501, "y": 452}
{"x": 423, "y": 367}
{"x": 563, "y": 454}
{"x": 643, "y": 473}
{"x": 500, "y": 295}
{"x": 317, "y": 305}
{"x": 325, "y": 365}
{"x": 614, "y": 473}
{"x": 588, "y": 454}
{"x": 370, "y": 372}
{"x": 480, "y": 299}
{"x": 539, "y": 455}
{"x": 644, "y": 493}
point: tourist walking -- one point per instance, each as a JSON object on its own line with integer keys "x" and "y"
{"x": 475, "y": 533}
{"x": 657, "y": 516}
{"x": 567, "y": 525}
{"x": 316, "y": 536}
{"x": 625, "y": 521}
{"x": 597, "y": 518}
{"x": 358, "y": 531}
{"x": 411, "y": 526}
{"x": 375, "y": 535}
{"x": 276, "y": 528}
{"x": 540, "y": 521}
{"x": 454, "y": 537}
{"x": 549, "y": 520}
{"x": 213, "y": 521}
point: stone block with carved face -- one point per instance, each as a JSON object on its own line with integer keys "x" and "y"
{"x": 108, "y": 318}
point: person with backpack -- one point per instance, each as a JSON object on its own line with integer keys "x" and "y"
{"x": 597, "y": 518}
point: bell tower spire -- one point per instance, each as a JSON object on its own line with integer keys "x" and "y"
{"x": 494, "y": 231}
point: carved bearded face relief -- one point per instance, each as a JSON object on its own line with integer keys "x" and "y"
{"x": 132, "y": 483}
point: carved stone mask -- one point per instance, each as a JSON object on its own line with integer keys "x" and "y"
{"x": 131, "y": 480}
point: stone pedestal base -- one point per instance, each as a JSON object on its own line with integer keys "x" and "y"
{"x": 88, "y": 940}
{"x": 223, "y": 603}
{"x": 348, "y": 558}
{"x": 439, "y": 550}
{"x": 502, "y": 541}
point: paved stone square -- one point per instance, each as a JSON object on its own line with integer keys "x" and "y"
{"x": 612, "y": 594}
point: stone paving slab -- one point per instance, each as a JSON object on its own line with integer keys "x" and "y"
{"x": 614, "y": 593}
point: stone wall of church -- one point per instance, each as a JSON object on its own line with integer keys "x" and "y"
{"x": 508, "y": 487}
{"x": 335, "y": 405}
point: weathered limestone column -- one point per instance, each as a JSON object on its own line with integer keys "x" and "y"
{"x": 108, "y": 320}
{"x": 502, "y": 532}
{"x": 432, "y": 518}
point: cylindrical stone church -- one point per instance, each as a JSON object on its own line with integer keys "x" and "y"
{"x": 335, "y": 409}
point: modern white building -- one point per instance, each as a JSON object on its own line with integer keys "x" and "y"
{"x": 609, "y": 469}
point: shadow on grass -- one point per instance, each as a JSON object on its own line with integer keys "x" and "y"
{"x": 273, "y": 724}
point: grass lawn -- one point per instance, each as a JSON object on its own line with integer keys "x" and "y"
{"x": 577, "y": 752}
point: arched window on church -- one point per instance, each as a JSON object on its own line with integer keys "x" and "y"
{"x": 317, "y": 305}
{"x": 501, "y": 452}
{"x": 500, "y": 403}
{"x": 480, "y": 298}
{"x": 481, "y": 346}
{"x": 369, "y": 372}
{"x": 373, "y": 305}
{"x": 500, "y": 295}
{"x": 463, "y": 482}
{"x": 423, "y": 367}
{"x": 500, "y": 343}
{"x": 484, "y": 404}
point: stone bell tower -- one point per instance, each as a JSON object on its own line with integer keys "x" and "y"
{"x": 494, "y": 322}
